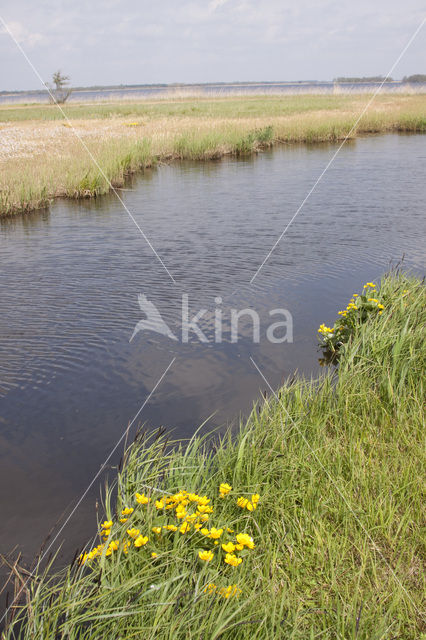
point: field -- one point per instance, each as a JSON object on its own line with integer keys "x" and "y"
{"x": 87, "y": 148}
{"x": 306, "y": 523}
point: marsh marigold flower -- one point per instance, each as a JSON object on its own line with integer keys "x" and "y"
{"x": 141, "y": 498}
{"x": 228, "y": 592}
{"x": 211, "y": 588}
{"x": 232, "y": 560}
{"x": 245, "y": 540}
{"x": 127, "y": 511}
{"x": 141, "y": 541}
{"x": 133, "y": 533}
{"x": 113, "y": 545}
{"x": 206, "y": 555}
{"x": 229, "y": 547}
{"x": 224, "y": 489}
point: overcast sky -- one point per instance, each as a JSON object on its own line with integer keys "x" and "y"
{"x": 148, "y": 41}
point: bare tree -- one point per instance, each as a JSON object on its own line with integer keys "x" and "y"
{"x": 60, "y": 90}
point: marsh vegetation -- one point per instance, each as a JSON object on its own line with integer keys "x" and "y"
{"x": 81, "y": 150}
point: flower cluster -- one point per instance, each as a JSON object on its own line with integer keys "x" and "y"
{"x": 224, "y": 592}
{"x": 244, "y": 503}
{"x": 178, "y": 514}
{"x": 359, "y": 309}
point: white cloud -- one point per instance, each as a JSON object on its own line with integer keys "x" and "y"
{"x": 21, "y": 34}
{"x": 215, "y": 4}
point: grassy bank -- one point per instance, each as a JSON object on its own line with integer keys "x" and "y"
{"x": 325, "y": 480}
{"x": 42, "y": 157}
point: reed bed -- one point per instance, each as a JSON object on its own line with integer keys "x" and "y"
{"x": 324, "y": 482}
{"x": 44, "y": 156}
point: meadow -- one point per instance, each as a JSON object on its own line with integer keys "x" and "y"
{"x": 87, "y": 149}
{"x": 306, "y": 522}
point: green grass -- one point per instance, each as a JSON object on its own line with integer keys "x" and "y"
{"x": 339, "y": 548}
{"x": 258, "y": 106}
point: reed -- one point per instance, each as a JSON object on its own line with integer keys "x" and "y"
{"x": 337, "y": 465}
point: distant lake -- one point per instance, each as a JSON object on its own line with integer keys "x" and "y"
{"x": 270, "y": 88}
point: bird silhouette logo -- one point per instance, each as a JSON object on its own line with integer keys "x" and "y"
{"x": 153, "y": 322}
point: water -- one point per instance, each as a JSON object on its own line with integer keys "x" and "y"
{"x": 239, "y": 88}
{"x": 70, "y": 381}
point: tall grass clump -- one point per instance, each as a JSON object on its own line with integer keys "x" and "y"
{"x": 306, "y": 523}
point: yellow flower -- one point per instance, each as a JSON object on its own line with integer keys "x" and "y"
{"x": 192, "y": 517}
{"x": 141, "y": 498}
{"x": 113, "y": 545}
{"x": 224, "y": 489}
{"x": 215, "y": 533}
{"x": 211, "y": 588}
{"x": 180, "y": 512}
{"x": 229, "y": 547}
{"x": 107, "y": 524}
{"x": 154, "y": 555}
{"x": 230, "y": 530}
{"x": 133, "y": 533}
{"x": 123, "y": 519}
{"x": 232, "y": 559}
{"x": 193, "y": 497}
{"x": 206, "y": 555}
{"x": 203, "y": 500}
{"x": 242, "y": 502}
{"x": 140, "y": 541}
{"x": 232, "y": 590}
{"x": 239, "y": 547}
{"x": 126, "y": 547}
{"x": 245, "y": 540}
{"x": 369, "y": 284}
{"x": 202, "y": 508}
{"x": 127, "y": 511}
{"x": 106, "y": 533}
{"x": 203, "y": 516}
{"x": 185, "y": 527}
{"x": 159, "y": 503}
{"x": 156, "y": 529}
{"x": 205, "y": 532}
{"x": 170, "y": 527}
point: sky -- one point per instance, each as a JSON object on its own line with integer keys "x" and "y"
{"x": 144, "y": 41}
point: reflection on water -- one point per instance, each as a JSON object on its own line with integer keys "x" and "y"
{"x": 70, "y": 381}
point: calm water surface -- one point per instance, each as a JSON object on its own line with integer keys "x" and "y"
{"x": 70, "y": 381}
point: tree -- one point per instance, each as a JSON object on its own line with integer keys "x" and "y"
{"x": 60, "y": 90}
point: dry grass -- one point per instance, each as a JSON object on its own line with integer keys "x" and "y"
{"x": 43, "y": 156}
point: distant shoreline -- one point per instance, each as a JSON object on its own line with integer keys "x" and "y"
{"x": 285, "y": 84}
